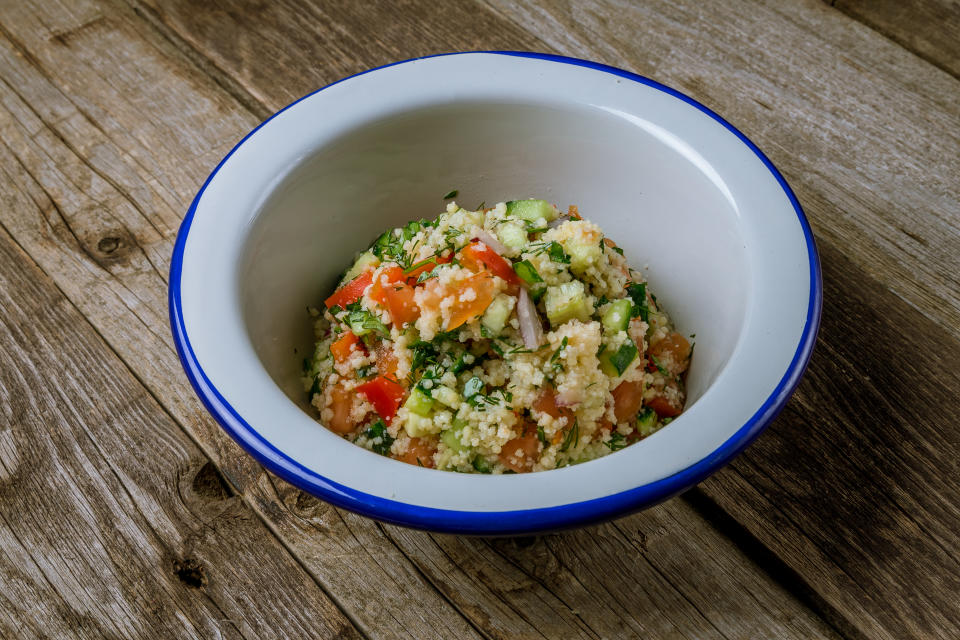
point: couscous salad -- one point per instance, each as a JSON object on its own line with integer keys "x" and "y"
{"x": 507, "y": 339}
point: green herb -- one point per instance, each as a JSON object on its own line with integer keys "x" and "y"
{"x": 362, "y": 321}
{"x": 335, "y": 309}
{"x": 618, "y": 250}
{"x": 666, "y": 421}
{"x": 484, "y": 332}
{"x": 481, "y": 206}
{"x": 557, "y": 254}
{"x": 542, "y": 437}
{"x": 367, "y": 371}
{"x": 553, "y": 249}
{"x": 660, "y": 367}
{"x": 555, "y": 358}
{"x": 571, "y": 438}
{"x": 426, "y": 275}
{"x": 495, "y": 346}
{"x": 315, "y": 387}
{"x": 624, "y": 356}
{"x": 411, "y": 229}
{"x": 422, "y": 263}
{"x": 429, "y": 380}
{"x": 638, "y": 293}
{"x": 602, "y": 300}
{"x": 451, "y": 194}
{"x": 527, "y": 272}
{"x": 379, "y": 430}
{"x": 616, "y": 442}
{"x": 537, "y": 294}
{"x": 472, "y": 387}
{"x": 461, "y": 364}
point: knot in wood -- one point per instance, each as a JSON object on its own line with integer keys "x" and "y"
{"x": 108, "y": 244}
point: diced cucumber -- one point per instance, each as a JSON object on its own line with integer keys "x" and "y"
{"x": 452, "y": 436}
{"x": 497, "y": 313}
{"x": 418, "y": 426}
{"x": 617, "y": 316}
{"x": 364, "y": 261}
{"x": 512, "y": 235}
{"x": 566, "y": 301}
{"x": 606, "y": 366}
{"x": 647, "y": 422}
{"x": 582, "y": 254}
{"x": 447, "y": 396}
{"x": 532, "y": 210}
{"x": 419, "y": 403}
{"x": 481, "y": 464}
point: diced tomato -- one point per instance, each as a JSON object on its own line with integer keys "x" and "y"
{"x": 627, "y": 398}
{"x": 384, "y": 278}
{"x": 477, "y": 255}
{"x": 413, "y": 275}
{"x": 350, "y": 292}
{"x": 419, "y": 452}
{"x": 604, "y": 425}
{"x": 672, "y": 352}
{"x": 343, "y": 346}
{"x": 465, "y": 310}
{"x": 520, "y": 454}
{"x": 547, "y": 403}
{"x": 341, "y": 402}
{"x": 386, "y": 360}
{"x": 401, "y": 305}
{"x": 663, "y": 407}
{"x": 385, "y": 395}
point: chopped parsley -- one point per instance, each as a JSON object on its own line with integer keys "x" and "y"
{"x": 481, "y": 465}
{"x": 638, "y": 293}
{"x": 616, "y": 442}
{"x": 367, "y": 371}
{"x": 379, "y": 430}
{"x": 554, "y": 251}
{"x": 624, "y": 356}
{"x": 527, "y": 272}
{"x": 542, "y": 437}
{"x": 451, "y": 194}
{"x": 363, "y": 322}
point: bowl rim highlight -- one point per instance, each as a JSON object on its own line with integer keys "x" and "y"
{"x": 513, "y": 521}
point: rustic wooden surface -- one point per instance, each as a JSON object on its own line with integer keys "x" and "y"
{"x": 125, "y": 511}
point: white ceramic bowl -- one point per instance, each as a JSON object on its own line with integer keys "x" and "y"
{"x": 723, "y": 240}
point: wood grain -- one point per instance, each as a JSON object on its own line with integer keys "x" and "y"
{"x": 111, "y": 116}
{"x": 929, "y": 28}
{"x": 368, "y": 570}
{"x": 114, "y": 525}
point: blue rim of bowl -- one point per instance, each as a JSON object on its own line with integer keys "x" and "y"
{"x": 516, "y": 522}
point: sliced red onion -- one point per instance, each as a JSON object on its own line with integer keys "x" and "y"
{"x": 488, "y": 239}
{"x": 530, "y": 329}
{"x": 553, "y": 224}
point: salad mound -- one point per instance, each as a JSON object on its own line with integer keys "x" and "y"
{"x": 507, "y": 339}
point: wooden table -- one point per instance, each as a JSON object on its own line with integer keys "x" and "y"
{"x": 125, "y": 512}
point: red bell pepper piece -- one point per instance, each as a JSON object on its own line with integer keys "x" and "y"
{"x": 349, "y": 292}
{"x": 385, "y": 395}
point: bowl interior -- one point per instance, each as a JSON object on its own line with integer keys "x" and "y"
{"x": 647, "y": 189}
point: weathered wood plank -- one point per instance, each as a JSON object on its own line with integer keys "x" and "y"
{"x": 840, "y": 110}
{"x": 855, "y": 486}
{"x": 51, "y": 212}
{"x": 929, "y": 28}
{"x": 367, "y": 571}
{"x": 113, "y": 524}
{"x": 709, "y": 63}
